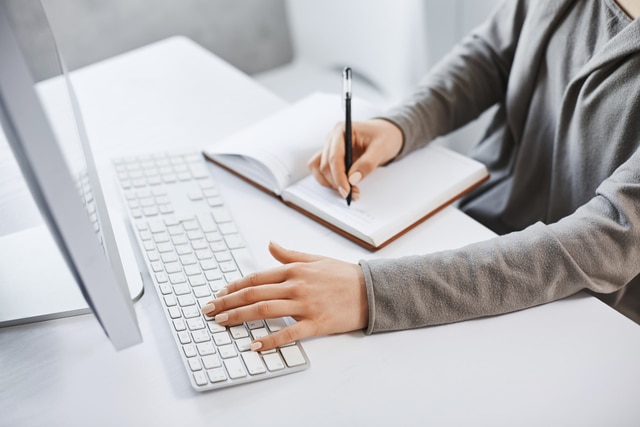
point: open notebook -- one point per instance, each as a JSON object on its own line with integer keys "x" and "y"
{"x": 273, "y": 153}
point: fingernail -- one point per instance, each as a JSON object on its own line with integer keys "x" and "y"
{"x": 208, "y": 308}
{"x": 222, "y": 292}
{"x": 222, "y": 317}
{"x": 355, "y": 178}
{"x": 255, "y": 346}
{"x": 344, "y": 193}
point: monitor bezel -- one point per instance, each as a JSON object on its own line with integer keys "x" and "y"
{"x": 46, "y": 173}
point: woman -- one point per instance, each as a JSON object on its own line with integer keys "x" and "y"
{"x": 564, "y": 193}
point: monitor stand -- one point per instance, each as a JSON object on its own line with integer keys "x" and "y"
{"x": 35, "y": 282}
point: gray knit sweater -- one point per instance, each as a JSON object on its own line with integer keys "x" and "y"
{"x": 562, "y": 150}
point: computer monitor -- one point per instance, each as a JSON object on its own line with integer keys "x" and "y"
{"x": 54, "y": 172}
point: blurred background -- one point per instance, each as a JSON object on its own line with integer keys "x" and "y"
{"x": 293, "y": 47}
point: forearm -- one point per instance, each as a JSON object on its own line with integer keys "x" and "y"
{"x": 595, "y": 248}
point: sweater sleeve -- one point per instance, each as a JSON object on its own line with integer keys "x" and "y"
{"x": 470, "y": 79}
{"x": 594, "y": 248}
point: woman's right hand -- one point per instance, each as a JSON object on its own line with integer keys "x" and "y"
{"x": 375, "y": 142}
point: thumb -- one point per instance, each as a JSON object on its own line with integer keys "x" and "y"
{"x": 286, "y": 256}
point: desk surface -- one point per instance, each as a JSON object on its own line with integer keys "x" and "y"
{"x": 572, "y": 362}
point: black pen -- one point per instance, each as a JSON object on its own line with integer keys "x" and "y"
{"x": 346, "y": 91}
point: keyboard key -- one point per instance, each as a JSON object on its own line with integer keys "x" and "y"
{"x": 292, "y": 356}
{"x": 206, "y": 348}
{"x": 181, "y": 289}
{"x": 202, "y": 292}
{"x": 190, "y": 224}
{"x": 222, "y": 256}
{"x": 170, "y": 300}
{"x": 157, "y": 266}
{"x": 191, "y": 311}
{"x": 255, "y": 324}
{"x": 188, "y": 259}
{"x": 180, "y": 239}
{"x": 199, "y": 244}
{"x": 235, "y": 368}
{"x": 214, "y": 236}
{"x": 227, "y": 266}
{"x": 208, "y": 264}
{"x": 179, "y": 325}
{"x": 153, "y": 256}
{"x": 177, "y": 278}
{"x": 207, "y": 223}
{"x": 186, "y": 300}
{"x": 216, "y": 375}
{"x": 200, "y": 378}
{"x": 204, "y": 254}
{"x": 189, "y": 350}
{"x": 253, "y": 362}
{"x": 201, "y": 336}
{"x": 156, "y": 226}
{"x": 195, "y": 235}
{"x": 213, "y": 275}
{"x": 273, "y": 361}
{"x": 192, "y": 270}
{"x": 243, "y": 344}
{"x": 275, "y": 324}
{"x": 172, "y": 267}
{"x": 215, "y": 327}
{"x": 169, "y": 257}
{"x": 184, "y": 337}
{"x": 195, "y": 281}
{"x": 259, "y": 333}
{"x": 195, "y": 364}
{"x": 238, "y": 331}
{"x": 195, "y": 324}
{"x": 211, "y": 361}
{"x": 222, "y": 338}
{"x": 183, "y": 249}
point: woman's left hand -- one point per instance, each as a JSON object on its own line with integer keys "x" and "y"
{"x": 324, "y": 295}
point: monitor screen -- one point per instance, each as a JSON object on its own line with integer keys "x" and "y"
{"x": 58, "y": 166}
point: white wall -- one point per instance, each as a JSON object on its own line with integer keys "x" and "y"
{"x": 250, "y": 34}
{"x": 447, "y": 23}
{"x": 388, "y": 43}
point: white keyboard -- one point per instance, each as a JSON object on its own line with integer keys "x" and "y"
{"x": 192, "y": 248}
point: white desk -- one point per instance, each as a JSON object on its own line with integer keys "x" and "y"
{"x": 570, "y": 363}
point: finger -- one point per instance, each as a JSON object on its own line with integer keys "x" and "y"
{"x": 260, "y": 310}
{"x": 333, "y": 157}
{"x": 314, "y": 161}
{"x": 364, "y": 165}
{"x": 258, "y": 278}
{"x": 320, "y": 178}
{"x": 337, "y": 165}
{"x": 287, "y": 256}
{"x": 245, "y": 297}
{"x": 284, "y": 336}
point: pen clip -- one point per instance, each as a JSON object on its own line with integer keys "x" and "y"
{"x": 346, "y": 83}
